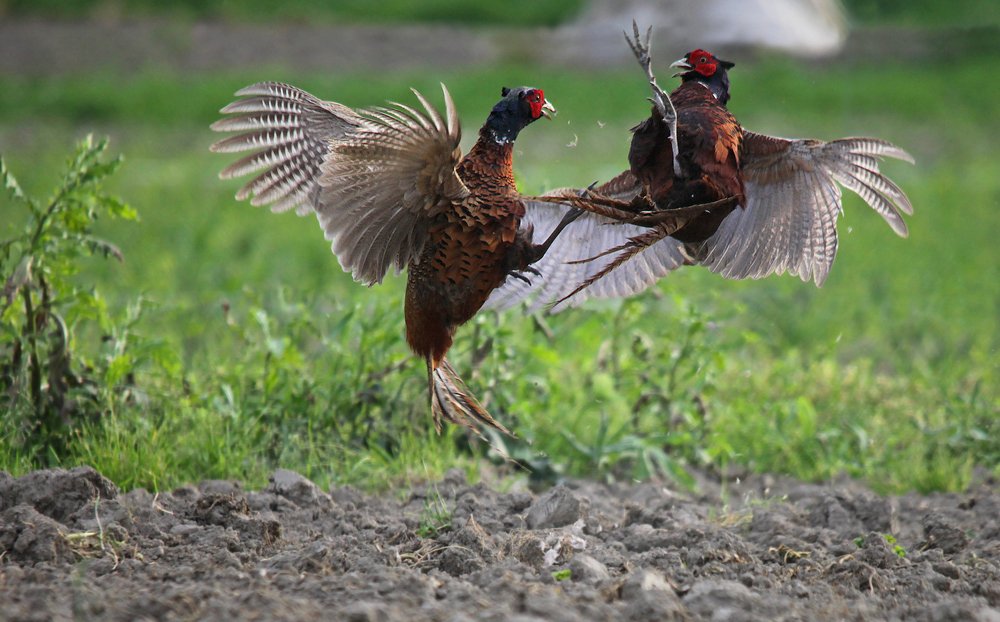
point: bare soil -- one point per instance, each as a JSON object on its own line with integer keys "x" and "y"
{"x": 72, "y": 546}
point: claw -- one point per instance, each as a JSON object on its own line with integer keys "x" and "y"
{"x": 639, "y": 47}
{"x": 517, "y": 275}
{"x": 660, "y": 98}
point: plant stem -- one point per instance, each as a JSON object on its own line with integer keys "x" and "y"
{"x": 33, "y": 365}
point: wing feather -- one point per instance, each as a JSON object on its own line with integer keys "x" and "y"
{"x": 288, "y": 130}
{"x": 585, "y": 238}
{"x": 789, "y": 222}
{"x": 394, "y": 174}
{"x": 373, "y": 177}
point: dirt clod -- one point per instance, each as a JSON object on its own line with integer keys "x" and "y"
{"x": 30, "y": 537}
{"x": 648, "y": 596}
{"x": 942, "y": 533}
{"x": 556, "y": 508}
{"x": 56, "y": 493}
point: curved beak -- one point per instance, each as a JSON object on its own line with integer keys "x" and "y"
{"x": 546, "y": 108}
{"x": 681, "y": 64}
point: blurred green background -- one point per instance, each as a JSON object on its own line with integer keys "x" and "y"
{"x": 927, "y": 13}
{"x": 258, "y": 351}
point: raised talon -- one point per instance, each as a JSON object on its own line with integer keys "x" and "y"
{"x": 660, "y": 98}
{"x": 639, "y": 47}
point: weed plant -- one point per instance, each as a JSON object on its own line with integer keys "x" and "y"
{"x": 51, "y": 389}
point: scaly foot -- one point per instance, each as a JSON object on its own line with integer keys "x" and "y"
{"x": 660, "y": 99}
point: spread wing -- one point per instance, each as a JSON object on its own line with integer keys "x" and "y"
{"x": 373, "y": 177}
{"x": 788, "y": 223}
{"x": 383, "y": 183}
{"x": 587, "y": 237}
{"x": 790, "y": 220}
{"x": 289, "y": 132}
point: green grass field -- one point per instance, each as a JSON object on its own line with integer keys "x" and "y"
{"x": 888, "y": 373}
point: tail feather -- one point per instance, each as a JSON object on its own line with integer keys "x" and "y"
{"x": 452, "y": 401}
{"x": 625, "y": 252}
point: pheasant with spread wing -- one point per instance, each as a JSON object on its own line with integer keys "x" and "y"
{"x": 391, "y": 189}
{"x": 744, "y": 205}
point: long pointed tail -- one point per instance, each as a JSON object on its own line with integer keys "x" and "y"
{"x": 452, "y": 401}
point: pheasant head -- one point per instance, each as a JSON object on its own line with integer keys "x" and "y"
{"x": 706, "y": 68}
{"x": 518, "y": 108}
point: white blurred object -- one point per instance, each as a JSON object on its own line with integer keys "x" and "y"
{"x": 803, "y": 27}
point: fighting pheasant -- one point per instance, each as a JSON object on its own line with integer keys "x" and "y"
{"x": 764, "y": 205}
{"x": 390, "y": 188}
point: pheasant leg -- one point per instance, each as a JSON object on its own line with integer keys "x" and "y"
{"x": 660, "y": 98}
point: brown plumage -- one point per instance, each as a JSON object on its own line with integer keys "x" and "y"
{"x": 710, "y": 141}
{"x": 391, "y": 189}
{"x": 765, "y": 205}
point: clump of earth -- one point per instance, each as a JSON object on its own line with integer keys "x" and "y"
{"x": 73, "y": 546}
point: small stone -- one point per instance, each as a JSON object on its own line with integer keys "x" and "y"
{"x": 987, "y": 614}
{"x": 366, "y": 612}
{"x": 347, "y": 496}
{"x": 650, "y": 597}
{"x": 644, "y": 581}
{"x": 183, "y": 529}
{"x": 298, "y": 489}
{"x": 799, "y": 590}
{"x": 556, "y": 508}
{"x": 584, "y": 568}
{"x": 708, "y": 596}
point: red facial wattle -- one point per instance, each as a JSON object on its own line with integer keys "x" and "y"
{"x": 703, "y": 62}
{"x": 536, "y": 99}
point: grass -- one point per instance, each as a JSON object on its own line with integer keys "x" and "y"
{"x": 270, "y": 356}
{"x": 436, "y": 517}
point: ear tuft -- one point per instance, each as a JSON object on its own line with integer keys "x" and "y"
{"x": 504, "y": 91}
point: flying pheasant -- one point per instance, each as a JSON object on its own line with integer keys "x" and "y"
{"x": 766, "y": 205}
{"x": 391, "y": 189}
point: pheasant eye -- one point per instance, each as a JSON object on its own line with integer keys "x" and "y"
{"x": 703, "y": 59}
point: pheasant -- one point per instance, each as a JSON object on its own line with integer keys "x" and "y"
{"x": 391, "y": 189}
{"x": 764, "y": 204}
